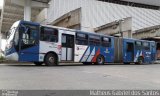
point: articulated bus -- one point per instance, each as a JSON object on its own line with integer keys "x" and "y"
{"x": 33, "y": 42}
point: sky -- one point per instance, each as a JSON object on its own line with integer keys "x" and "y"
{"x": 1, "y": 3}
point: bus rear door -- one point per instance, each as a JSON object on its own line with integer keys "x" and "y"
{"x": 67, "y": 47}
{"x": 153, "y": 51}
{"x": 128, "y": 51}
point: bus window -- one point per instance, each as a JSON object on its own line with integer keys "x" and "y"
{"x": 49, "y": 34}
{"x": 138, "y": 43}
{"x": 130, "y": 47}
{"x": 146, "y": 45}
{"x": 81, "y": 39}
{"x": 94, "y": 40}
{"x": 153, "y": 44}
{"x": 106, "y": 42}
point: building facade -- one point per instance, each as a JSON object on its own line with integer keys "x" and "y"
{"x": 96, "y": 13}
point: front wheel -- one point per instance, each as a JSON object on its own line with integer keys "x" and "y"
{"x": 100, "y": 60}
{"x": 51, "y": 59}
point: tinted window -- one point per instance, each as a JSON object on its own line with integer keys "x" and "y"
{"x": 49, "y": 34}
{"x": 81, "y": 39}
{"x": 153, "y": 44}
{"x": 94, "y": 40}
{"x": 146, "y": 45}
{"x": 138, "y": 43}
{"x": 130, "y": 47}
{"x": 106, "y": 42}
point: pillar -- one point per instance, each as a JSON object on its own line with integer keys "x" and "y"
{"x": 27, "y": 10}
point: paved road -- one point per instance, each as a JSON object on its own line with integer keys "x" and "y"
{"x": 79, "y": 77}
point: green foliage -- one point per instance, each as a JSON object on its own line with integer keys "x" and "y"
{"x": 2, "y": 58}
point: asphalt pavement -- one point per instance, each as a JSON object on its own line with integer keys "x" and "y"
{"x": 30, "y": 77}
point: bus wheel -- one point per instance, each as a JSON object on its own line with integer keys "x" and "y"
{"x": 38, "y": 63}
{"x": 140, "y": 60}
{"x": 100, "y": 60}
{"x": 50, "y": 59}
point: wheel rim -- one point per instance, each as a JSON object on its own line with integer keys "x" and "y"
{"x": 51, "y": 60}
{"x": 100, "y": 60}
{"x": 140, "y": 61}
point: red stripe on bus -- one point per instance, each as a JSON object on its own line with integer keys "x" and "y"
{"x": 95, "y": 56}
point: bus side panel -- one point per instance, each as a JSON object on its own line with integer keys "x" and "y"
{"x": 81, "y": 53}
{"x": 30, "y": 54}
{"x": 108, "y": 52}
{"x": 90, "y": 53}
{"x": 147, "y": 56}
{"x": 97, "y": 50}
{"x": 46, "y": 47}
{"x": 93, "y": 53}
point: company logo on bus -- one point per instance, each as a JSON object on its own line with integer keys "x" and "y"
{"x": 80, "y": 48}
{"x": 107, "y": 51}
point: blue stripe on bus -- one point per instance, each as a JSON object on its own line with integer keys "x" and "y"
{"x": 84, "y": 54}
{"x": 91, "y": 49}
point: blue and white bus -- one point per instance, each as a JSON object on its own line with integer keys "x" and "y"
{"x": 33, "y": 42}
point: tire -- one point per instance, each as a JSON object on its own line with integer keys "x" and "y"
{"x": 38, "y": 63}
{"x": 140, "y": 60}
{"x": 51, "y": 60}
{"x": 100, "y": 60}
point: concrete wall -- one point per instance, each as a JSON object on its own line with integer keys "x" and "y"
{"x": 42, "y": 17}
{"x": 97, "y": 13}
{"x": 70, "y": 20}
{"x": 122, "y": 28}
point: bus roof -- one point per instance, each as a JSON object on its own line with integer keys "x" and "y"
{"x": 73, "y": 30}
{"x": 137, "y": 39}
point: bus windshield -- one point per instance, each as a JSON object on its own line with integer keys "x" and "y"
{"x": 11, "y": 32}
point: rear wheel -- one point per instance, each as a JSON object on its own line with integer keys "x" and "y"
{"x": 100, "y": 60}
{"x": 140, "y": 60}
{"x": 38, "y": 63}
{"x": 51, "y": 59}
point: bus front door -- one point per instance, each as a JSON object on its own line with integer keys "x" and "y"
{"x": 67, "y": 47}
{"x": 28, "y": 45}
